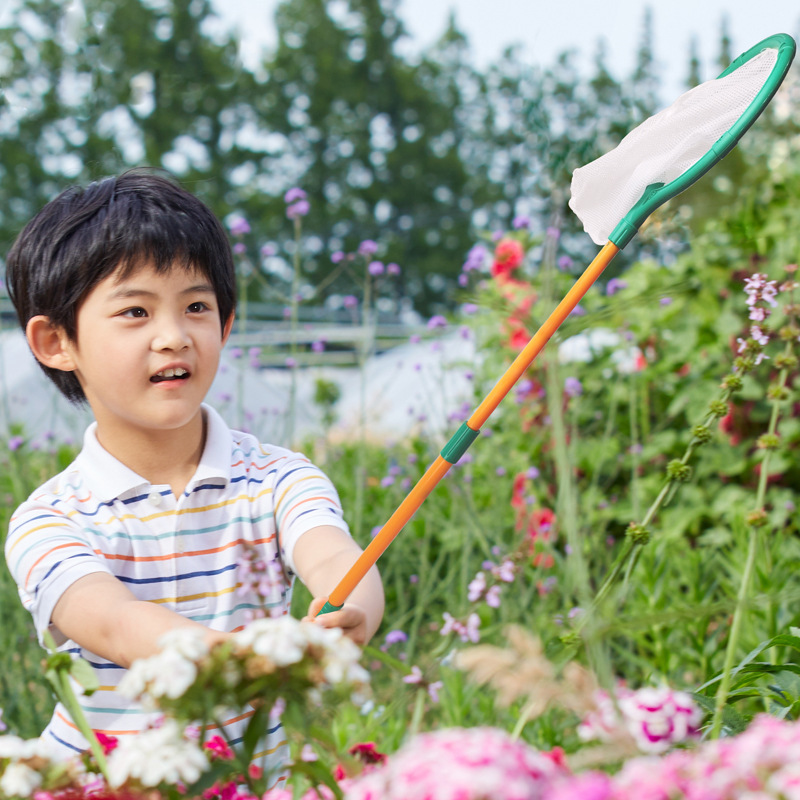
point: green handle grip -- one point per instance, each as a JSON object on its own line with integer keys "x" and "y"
{"x": 327, "y": 608}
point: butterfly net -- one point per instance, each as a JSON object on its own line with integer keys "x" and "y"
{"x": 664, "y": 146}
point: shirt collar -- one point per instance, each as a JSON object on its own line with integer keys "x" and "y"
{"x": 109, "y": 478}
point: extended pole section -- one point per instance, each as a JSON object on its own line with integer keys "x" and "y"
{"x": 468, "y": 431}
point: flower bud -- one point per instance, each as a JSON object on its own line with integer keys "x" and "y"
{"x": 678, "y": 471}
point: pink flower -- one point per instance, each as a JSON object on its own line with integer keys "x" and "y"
{"x": 218, "y": 748}
{"x": 106, "y": 742}
{"x": 460, "y": 764}
{"x": 656, "y": 718}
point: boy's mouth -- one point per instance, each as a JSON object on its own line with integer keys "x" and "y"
{"x": 176, "y": 374}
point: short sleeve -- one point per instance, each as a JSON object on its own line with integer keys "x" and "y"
{"x": 46, "y": 553}
{"x": 304, "y": 498}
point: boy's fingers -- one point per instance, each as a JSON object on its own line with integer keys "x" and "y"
{"x": 316, "y": 606}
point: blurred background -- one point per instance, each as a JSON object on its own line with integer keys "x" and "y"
{"x": 418, "y": 123}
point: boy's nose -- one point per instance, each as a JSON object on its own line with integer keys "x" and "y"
{"x": 171, "y": 335}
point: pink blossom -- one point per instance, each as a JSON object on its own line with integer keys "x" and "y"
{"x": 219, "y": 748}
{"x": 656, "y": 718}
{"x": 460, "y": 764}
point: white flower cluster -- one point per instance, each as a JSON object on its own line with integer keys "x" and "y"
{"x": 19, "y": 779}
{"x": 171, "y": 671}
{"x": 286, "y": 641}
{"x": 158, "y": 755}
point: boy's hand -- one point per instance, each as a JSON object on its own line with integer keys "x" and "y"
{"x": 350, "y": 618}
{"x": 322, "y": 556}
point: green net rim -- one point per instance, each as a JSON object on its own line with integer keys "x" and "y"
{"x": 657, "y": 194}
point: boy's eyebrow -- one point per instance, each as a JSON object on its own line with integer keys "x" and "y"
{"x": 135, "y": 291}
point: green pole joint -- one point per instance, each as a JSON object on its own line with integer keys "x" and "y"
{"x": 459, "y": 443}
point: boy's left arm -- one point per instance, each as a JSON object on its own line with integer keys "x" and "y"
{"x": 322, "y": 556}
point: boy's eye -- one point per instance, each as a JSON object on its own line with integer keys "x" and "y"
{"x": 194, "y": 308}
{"x": 134, "y": 312}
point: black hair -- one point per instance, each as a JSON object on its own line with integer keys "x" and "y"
{"x": 117, "y": 224}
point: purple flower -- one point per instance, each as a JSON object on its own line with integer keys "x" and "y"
{"x": 564, "y": 262}
{"x": 375, "y": 268}
{"x": 318, "y": 346}
{"x": 236, "y": 352}
{"x": 15, "y": 442}
{"x": 349, "y": 301}
{"x": 415, "y": 338}
{"x": 572, "y": 387}
{"x": 293, "y": 195}
{"x": 268, "y": 250}
{"x": 392, "y": 269}
{"x": 500, "y": 472}
{"x": 475, "y": 258}
{"x": 437, "y": 321}
{"x": 238, "y": 226}
{"x": 396, "y": 637}
{"x": 387, "y": 481}
{"x": 290, "y": 362}
{"x": 476, "y": 588}
{"x": 521, "y": 221}
{"x": 493, "y": 597}
{"x": 239, "y": 248}
{"x": 415, "y": 676}
{"x": 367, "y": 248}
{"x": 532, "y": 473}
{"x": 666, "y": 301}
{"x": 469, "y": 308}
{"x": 338, "y": 256}
{"x": 614, "y": 285}
{"x": 298, "y": 209}
{"x": 553, "y": 233}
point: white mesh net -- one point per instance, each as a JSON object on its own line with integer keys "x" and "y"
{"x": 664, "y": 146}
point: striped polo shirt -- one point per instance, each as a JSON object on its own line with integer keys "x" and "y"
{"x": 99, "y": 516}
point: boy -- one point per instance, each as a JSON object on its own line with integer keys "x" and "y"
{"x": 126, "y": 292}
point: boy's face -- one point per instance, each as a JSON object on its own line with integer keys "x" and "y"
{"x": 147, "y": 349}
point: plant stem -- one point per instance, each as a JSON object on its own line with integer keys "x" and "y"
{"x": 294, "y": 305}
{"x": 64, "y": 692}
{"x": 743, "y": 597}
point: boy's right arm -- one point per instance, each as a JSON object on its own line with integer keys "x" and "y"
{"x": 102, "y": 615}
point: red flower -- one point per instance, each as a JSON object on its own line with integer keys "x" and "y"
{"x": 508, "y": 255}
{"x": 108, "y": 743}
{"x": 540, "y": 525}
{"x": 366, "y": 753}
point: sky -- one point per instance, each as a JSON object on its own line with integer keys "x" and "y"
{"x": 546, "y": 28}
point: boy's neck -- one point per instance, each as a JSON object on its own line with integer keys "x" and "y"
{"x": 161, "y": 456}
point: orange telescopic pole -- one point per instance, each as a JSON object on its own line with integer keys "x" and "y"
{"x": 468, "y": 432}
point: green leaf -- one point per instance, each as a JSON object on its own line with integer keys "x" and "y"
{"x": 82, "y": 672}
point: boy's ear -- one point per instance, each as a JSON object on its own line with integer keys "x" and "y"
{"x": 226, "y": 330}
{"x": 49, "y": 344}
